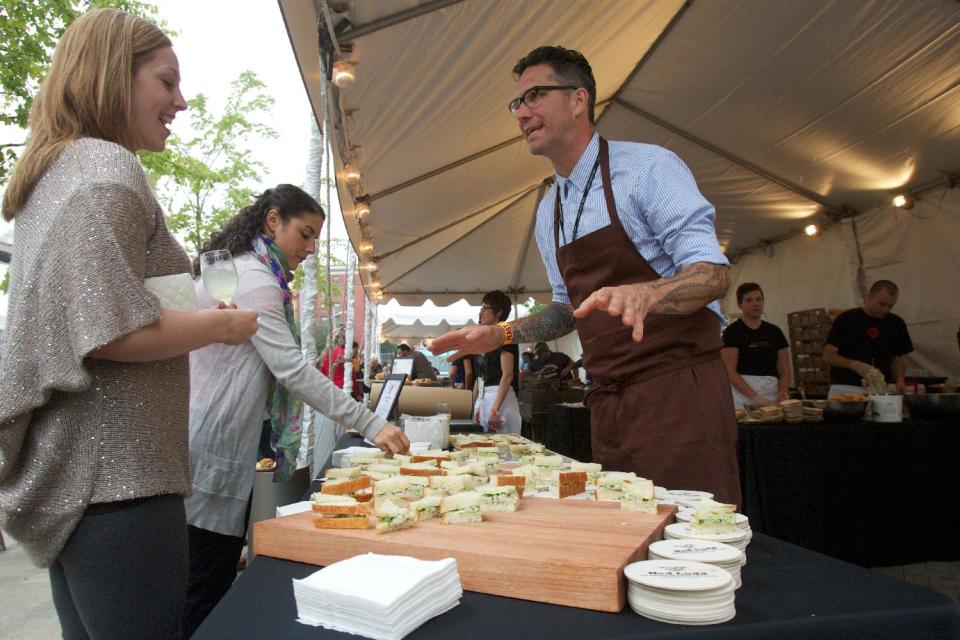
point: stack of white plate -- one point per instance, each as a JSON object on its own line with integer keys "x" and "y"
{"x": 680, "y": 592}
{"x": 812, "y": 414}
{"x": 682, "y": 531}
{"x": 792, "y": 411}
{"x": 742, "y": 521}
{"x": 717, "y": 554}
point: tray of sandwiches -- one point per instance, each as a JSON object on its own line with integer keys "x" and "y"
{"x": 501, "y": 505}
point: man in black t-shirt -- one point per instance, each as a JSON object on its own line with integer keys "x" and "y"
{"x": 549, "y": 364}
{"x": 869, "y": 337}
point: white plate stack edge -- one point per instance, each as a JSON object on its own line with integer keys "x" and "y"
{"x": 717, "y": 554}
{"x": 680, "y": 592}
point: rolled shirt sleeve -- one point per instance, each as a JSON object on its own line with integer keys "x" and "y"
{"x": 545, "y": 244}
{"x": 677, "y": 214}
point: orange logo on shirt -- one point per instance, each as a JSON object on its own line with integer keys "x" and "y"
{"x": 873, "y": 333}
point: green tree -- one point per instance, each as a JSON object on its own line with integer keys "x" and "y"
{"x": 201, "y": 179}
{"x": 533, "y": 306}
{"x": 338, "y": 246}
{"x": 29, "y": 31}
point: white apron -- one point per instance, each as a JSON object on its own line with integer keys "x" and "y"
{"x": 509, "y": 409}
{"x": 767, "y": 386}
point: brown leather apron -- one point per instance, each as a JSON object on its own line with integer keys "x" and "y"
{"x": 661, "y": 407}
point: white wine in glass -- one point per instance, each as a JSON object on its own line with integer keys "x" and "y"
{"x": 219, "y": 274}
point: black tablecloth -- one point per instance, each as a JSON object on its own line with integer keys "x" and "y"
{"x": 568, "y": 432}
{"x": 464, "y": 425}
{"x": 787, "y": 592}
{"x": 871, "y": 493}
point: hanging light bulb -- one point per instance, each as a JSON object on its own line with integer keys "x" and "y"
{"x": 362, "y": 209}
{"x": 904, "y": 200}
{"x": 812, "y": 230}
{"x": 351, "y": 174}
{"x": 365, "y": 246}
{"x": 343, "y": 74}
{"x": 369, "y": 266}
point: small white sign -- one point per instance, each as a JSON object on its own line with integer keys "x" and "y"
{"x": 402, "y": 365}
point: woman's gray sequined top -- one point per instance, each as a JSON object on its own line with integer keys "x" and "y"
{"x": 100, "y": 431}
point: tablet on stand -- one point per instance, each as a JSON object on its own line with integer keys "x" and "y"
{"x": 390, "y": 395}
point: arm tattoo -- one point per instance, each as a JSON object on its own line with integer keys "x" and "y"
{"x": 691, "y": 289}
{"x": 554, "y": 321}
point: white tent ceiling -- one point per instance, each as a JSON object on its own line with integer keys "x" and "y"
{"x": 786, "y": 112}
{"x": 394, "y": 332}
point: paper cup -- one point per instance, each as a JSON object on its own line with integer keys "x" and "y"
{"x": 887, "y": 408}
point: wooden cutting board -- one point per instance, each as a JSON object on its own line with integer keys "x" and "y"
{"x": 567, "y": 552}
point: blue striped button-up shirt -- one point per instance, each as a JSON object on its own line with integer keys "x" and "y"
{"x": 660, "y": 207}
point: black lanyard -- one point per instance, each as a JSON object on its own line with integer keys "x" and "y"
{"x": 583, "y": 201}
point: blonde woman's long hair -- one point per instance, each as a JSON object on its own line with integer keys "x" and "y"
{"x": 87, "y": 93}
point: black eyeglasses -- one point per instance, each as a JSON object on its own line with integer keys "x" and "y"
{"x": 532, "y": 96}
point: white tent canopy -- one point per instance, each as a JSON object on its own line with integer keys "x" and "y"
{"x": 394, "y": 332}
{"x": 786, "y": 112}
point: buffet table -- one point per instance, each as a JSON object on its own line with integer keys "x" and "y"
{"x": 568, "y": 431}
{"x": 787, "y": 592}
{"x": 870, "y": 493}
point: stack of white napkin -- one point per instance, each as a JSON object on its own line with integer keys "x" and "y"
{"x": 377, "y": 596}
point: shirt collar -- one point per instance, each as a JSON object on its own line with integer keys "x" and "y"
{"x": 578, "y": 177}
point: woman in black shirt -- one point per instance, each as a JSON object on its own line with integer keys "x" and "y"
{"x": 496, "y": 407}
{"x": 756, "y": 353}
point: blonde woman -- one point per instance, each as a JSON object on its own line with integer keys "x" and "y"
{"x": 94, "y": 388}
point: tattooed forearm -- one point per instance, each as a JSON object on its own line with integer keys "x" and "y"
{"x": 691, "y": 289}
{"x": 554, "y": 321}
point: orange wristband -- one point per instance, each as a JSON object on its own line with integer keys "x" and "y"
{"x": 508, "y": 332}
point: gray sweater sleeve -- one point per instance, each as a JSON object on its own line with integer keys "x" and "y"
{"x": 275, "y": 344}
{"x": 81, "y": 289}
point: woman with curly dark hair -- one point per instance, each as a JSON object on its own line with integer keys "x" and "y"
{"x": 231, "y": 388}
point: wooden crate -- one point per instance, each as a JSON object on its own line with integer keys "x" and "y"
{"x": 566, "y": 552}
{"x": 808, "y": 335}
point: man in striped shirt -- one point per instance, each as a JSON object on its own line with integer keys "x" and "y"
{"x": 630, "y": 249}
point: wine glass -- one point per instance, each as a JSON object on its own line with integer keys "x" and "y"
{"x": 443, "y": 408}
{"x": 219, "y": 274}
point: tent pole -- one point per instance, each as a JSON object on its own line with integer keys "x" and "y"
{"x": 330, "y": 319}
{"x": 350, "y": 35}
{"x": 348, "y": 324}
{"x": 309, "y": 295}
